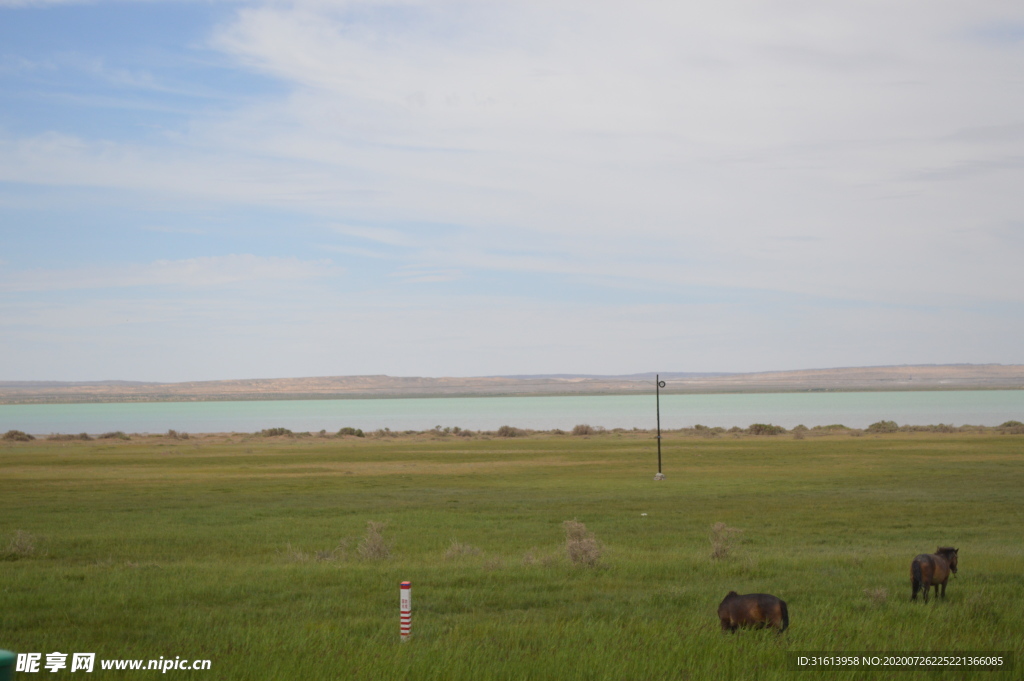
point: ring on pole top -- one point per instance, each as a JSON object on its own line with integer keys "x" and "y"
{"x": 661, "y": 384}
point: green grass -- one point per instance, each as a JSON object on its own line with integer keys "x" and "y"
{"x": 207, "y": 548}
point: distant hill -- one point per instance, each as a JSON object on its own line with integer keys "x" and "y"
{"x": 915, "y": 377}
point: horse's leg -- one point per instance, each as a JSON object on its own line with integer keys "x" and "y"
{"x": 944, "y": 587}
{"x": 927, "y": 588}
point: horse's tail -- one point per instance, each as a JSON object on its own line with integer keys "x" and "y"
{"x": 915, "y": 578}
{"x": 785, "y": 616}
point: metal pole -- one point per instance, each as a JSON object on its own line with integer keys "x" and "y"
{"x": 657, "y": 402}
{"x": 658, "y": 385}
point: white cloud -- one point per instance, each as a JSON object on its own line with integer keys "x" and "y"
{"x": 202, "y": 272}
{"x": 224, "y": 334}
{"x": 868, "y": 152}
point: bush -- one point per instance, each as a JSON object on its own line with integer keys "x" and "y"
{"x": 22, "y": 545}
{"x": 457, "y": 550}
{"x": 373, "y": 546}
{"x": 351, "y": 431}
{"x": 940, "y": 428}
{"x": 116, "y": 435}
{"x": 582, "y": 547}
{"x": 721, "y": 537}
{"x": 1012, "y": 427}
{"x": 274, "y": 432}
{"x": 509, "y": 431}
{"x": 883, "y": 427}
{"x": 582, "y": 429}
{"x": 765, "y": 429}
{"x": 833, "y": 426}
{"x": 175, "y": 435}
{"x": 59, "y": 436}
{"x": 17, "y": 436}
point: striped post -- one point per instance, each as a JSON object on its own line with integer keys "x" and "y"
{"x": 405, "y": 604}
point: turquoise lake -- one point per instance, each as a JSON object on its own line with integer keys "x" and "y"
{"x": 856, "y": 410}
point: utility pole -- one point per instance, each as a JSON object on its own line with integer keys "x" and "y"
{"x": 658, "y": 385}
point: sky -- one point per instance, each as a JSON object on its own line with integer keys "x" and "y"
{"x": 200, "y": 190}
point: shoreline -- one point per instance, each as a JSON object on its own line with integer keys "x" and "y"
{"x": 299, "y": 397}
{"x": 920, "y": 378}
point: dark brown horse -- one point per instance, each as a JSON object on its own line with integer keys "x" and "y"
{"x": 932, "y": 569}
{"x": 753, "y": 610}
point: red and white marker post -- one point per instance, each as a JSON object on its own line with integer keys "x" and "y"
{"x": 405, "y": 605}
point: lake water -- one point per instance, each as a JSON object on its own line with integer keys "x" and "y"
{"x": 856, "y": 410}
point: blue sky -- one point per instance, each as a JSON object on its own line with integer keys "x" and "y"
{"x": 211, "y": 190}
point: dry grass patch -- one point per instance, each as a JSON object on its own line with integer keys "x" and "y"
{"x": 581, "y": 546}
{"x": 373, "y": 546}
{"x": 722, "y": 538}
{"x": 877, "y": 596}
{"x": 21, "y": 545}
{"x": 457, "y": 550}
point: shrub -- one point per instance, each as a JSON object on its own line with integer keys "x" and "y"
{"x": 509, "y": 431}
{"x": 877, "y": 596}
{"x": 581, "y": 546}
{"x": 582, "y": 429}
{"x": 883, "y": 427}
{"x": 457, "y": 550}
{"x": 17, "y": 436}
{"x": 721, "y": 537}
{"x": 59, "y": 436}
{"x": 373, "y": 546}
{"x": 347, "y": 430}
{"x": 1012, "y": 427}
{"x": 21, "y": 545}
{"x": 175, "y": 435}
{"x": 832, "y": 426}
{"x": 116, "y": 435}
{"x": 274, "y": 432}
{"x": 765, "y": 429}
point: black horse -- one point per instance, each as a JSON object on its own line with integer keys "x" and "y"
{"x": 753, "y": 610}
{"x": 932, "y": 569}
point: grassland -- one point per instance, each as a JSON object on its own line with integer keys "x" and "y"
{"x": 247, "y": 551}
